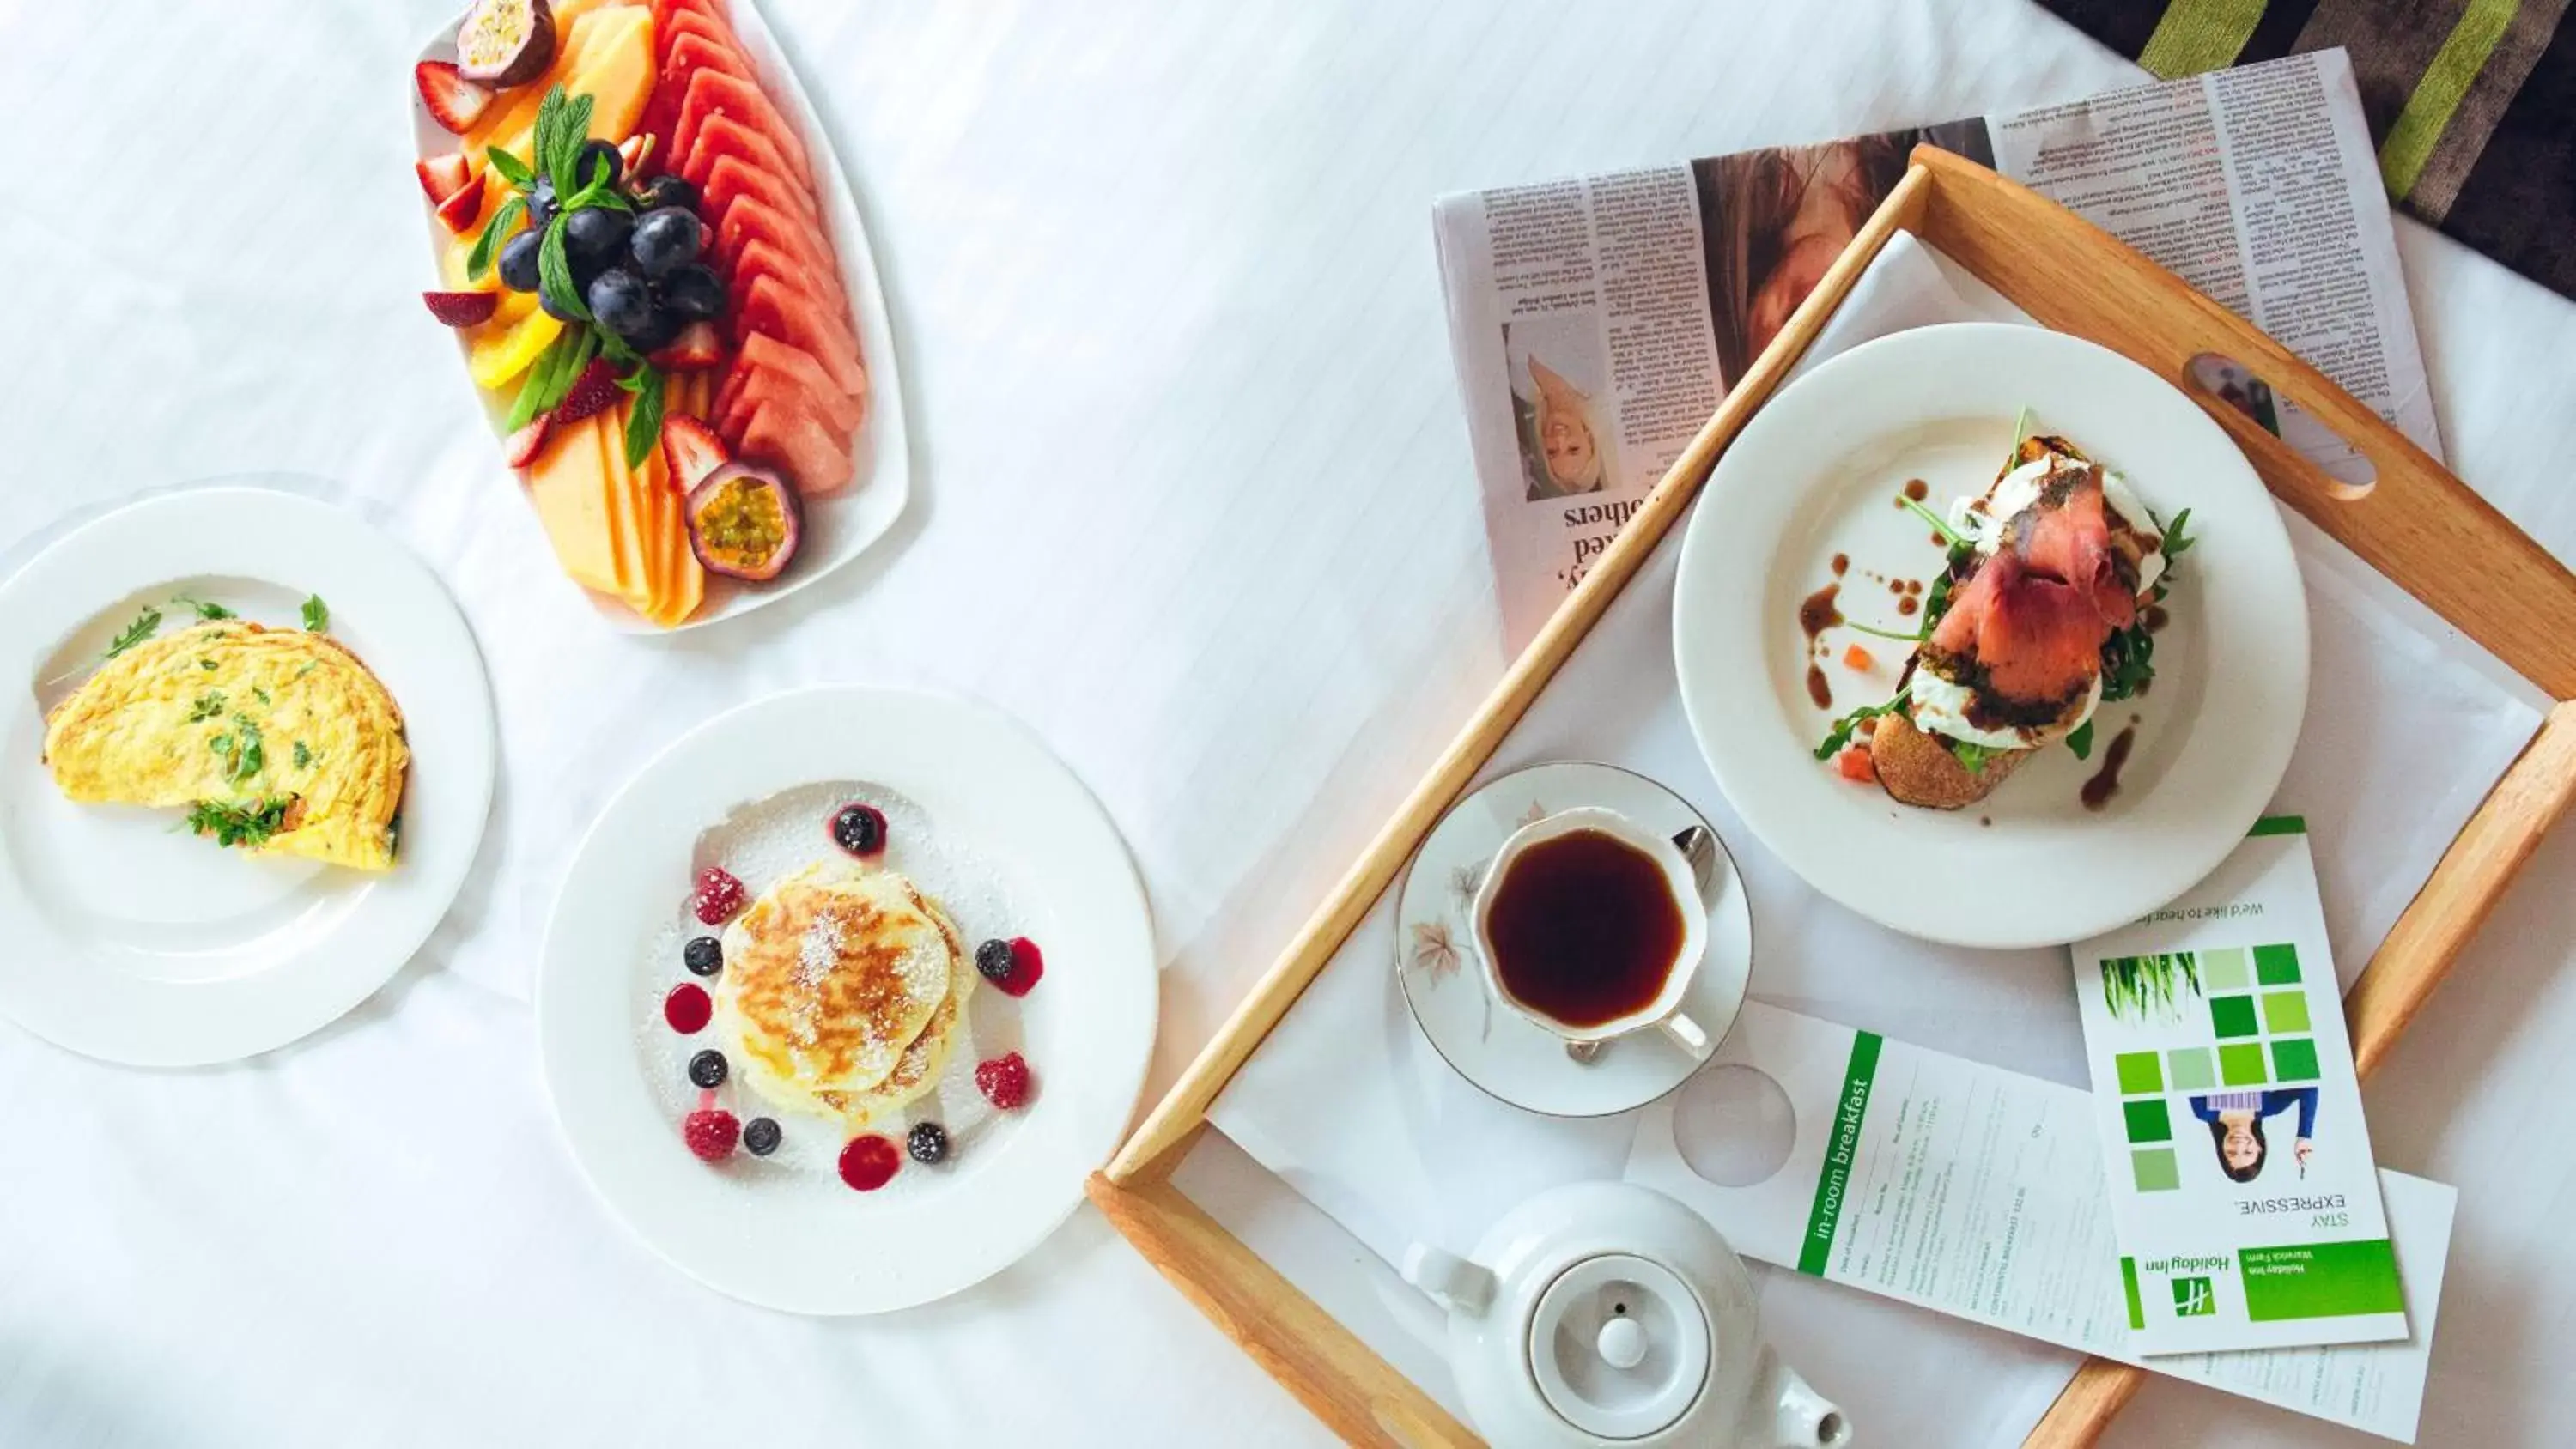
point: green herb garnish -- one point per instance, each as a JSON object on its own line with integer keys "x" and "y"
{"x": 250, "y": 823}
{"x": 145, "y": 625}
{"x": 243, "y": 752}
{"x": 317, "y": 615}
{"x": 554, "y": 271}
{"x": 1951, "y": 536}
{"x": 487, "y": 247}
{"x": 2080, "y": 740}
{"x": 1841, "y": 734}
{"x": 208, "y": 705}
{"x": 203, "y": 609}
{"x": 644, "y": 420}
{"x": 512, "y": 169}
{"x": 303, "y": 756}
{"x": 1973, "y": 755}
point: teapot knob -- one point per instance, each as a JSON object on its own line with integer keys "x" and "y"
{"x": 1622, "y": 1343}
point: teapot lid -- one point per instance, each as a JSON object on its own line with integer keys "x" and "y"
{"x": 1620, "y": 1346}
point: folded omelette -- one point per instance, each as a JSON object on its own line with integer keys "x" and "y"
{"x": 277, "y": 740}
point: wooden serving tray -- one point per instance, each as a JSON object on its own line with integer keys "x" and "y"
{"x": 2415, "y": 523}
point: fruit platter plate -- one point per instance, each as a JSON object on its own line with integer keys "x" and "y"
{"x": 712, "y": 284}
{"x": 844, "y": 995}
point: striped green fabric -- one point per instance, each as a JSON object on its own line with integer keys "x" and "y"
{"x": 2472, "y": 102}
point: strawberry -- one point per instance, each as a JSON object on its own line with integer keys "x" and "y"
{"x": 632, "y": 153}
{"x": 460, "y": 212}
{"x": 443, "y": 176}
{"x": 462, "y": 309}
{"x": 692, "y": 449}
{"x": 698, "y": 346}
{"x": 592, "y": 392}
{"x": 454, "y": 102}
{"x": 522, "y": 447}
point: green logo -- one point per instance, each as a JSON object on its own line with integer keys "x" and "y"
{"x": 2192, "y": 1298}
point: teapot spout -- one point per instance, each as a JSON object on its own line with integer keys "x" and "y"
{"x": 1805, "y": 1419}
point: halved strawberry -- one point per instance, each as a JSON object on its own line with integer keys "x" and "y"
{"x": 592, "y": 392}
{"x": 692, "y": 450}
{"x": 459, "y": 212}
{"x": 522, "y": 447}
{"x": 632, "y": 153}
{"x": 462, "y": 309}
{"x": 443, "y": 176}
{"x": 698, "y": 346}
{"x": 454, "y": 102}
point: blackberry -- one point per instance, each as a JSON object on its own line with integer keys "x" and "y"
{"x": 996, "y": 960}
{"x": 928, "y": 1144}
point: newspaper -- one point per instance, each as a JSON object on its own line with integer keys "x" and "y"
{"x": 1597, "y": 322}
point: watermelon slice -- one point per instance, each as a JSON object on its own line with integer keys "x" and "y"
{"x": 760, "y": 258}
{"x": 714, "y": 31}
{"x": 748, "y": 221}
{"x": 713, "y": 93}
{"x": 787, "y": 437}
{"x": 721, "y": 138}
{"x": 732, "y": 178}
{"x": 764, "y": 353}
{"x": 689, "y": 51}
{"x": 794, "y": 317}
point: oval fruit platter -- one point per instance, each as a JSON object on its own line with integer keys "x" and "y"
{"x": 663, "y": 295}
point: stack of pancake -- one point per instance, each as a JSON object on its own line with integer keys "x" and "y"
{"x": 844, "y": 992}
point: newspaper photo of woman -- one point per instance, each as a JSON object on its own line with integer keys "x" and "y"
{"x": 2236, "y": 1127}
{"x": 1564, "y": 437}
{"x": 1772, "y": 222}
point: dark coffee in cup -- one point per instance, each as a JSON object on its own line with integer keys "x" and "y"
{"x": 1584, "y": 929}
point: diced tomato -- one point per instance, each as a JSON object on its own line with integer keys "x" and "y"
{"x": 1855, "y": 657}
{"x": 1854, "y": 764}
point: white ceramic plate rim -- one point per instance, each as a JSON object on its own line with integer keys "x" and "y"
{"x": 1939, "y": 875}
{"x": 417, "y": 643}
{"x": 857, "y": 516}
{"x": 956, "y": 760}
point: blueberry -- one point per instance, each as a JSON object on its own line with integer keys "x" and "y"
{"x": 667, "y": 190}
{"x": 666, "y": 239}
{"x": 541, "y": 203}
{"x": 694, "y": 294}
{"x": 995, "y": 960}
{"x": 707, "y": 1068}
{"x": 658, "y": 332}
{"x": 760, "y": 1136}
{"x": 704, "y": 955}
{"x": 546, "y": 300}
{"x": 928, "y": 1144}
{"x": 859, "y": 829}
{"x": 596, "y": 236}
{"x": 621, "y": 302}
{"x": 519, "y": 261}
{"x": 581, "y": 167}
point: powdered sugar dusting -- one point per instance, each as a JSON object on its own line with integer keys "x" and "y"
{"x": 764, "y": 842}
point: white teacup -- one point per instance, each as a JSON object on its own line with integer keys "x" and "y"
{"x": 1664, "y": 1012}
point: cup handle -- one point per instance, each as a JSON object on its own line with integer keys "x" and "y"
{"x": 1687, "y": 1035}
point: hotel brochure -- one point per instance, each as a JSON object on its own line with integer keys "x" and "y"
{"x": 1980, "y": 1193}
{"x": 2242, "y": 1188}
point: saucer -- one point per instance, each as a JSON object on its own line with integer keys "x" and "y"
{"x": 1491, "y": 1045}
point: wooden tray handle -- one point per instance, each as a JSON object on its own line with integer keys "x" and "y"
{"x": 2518, "y": 601}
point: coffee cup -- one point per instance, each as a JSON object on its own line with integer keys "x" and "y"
{"x": 1591, "y": 926}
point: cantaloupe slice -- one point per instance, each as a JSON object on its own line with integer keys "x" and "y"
{"x": 608, "y": 56}
{"x": 516, "y": 112}
{"x": 568, "y": 484}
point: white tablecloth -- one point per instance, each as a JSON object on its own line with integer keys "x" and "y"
{"x": 1193, "y": 501}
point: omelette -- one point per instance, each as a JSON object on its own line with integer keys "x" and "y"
{"x": 844, "y": 992}
{"x": 276, "y": 740}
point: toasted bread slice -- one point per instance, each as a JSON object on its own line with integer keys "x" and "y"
{"x": 1919, "y": 769}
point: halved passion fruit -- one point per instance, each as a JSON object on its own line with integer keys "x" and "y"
{"x": 744, "y": 522}
{"x": 505, "y": 42}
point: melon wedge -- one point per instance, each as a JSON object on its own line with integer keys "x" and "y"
{"x": 611, "y": 61}
{"x": 569, "y": 484}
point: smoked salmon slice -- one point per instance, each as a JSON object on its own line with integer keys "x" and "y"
{"x": 2071, "y": 541}
{"x": 2038, "y": 639}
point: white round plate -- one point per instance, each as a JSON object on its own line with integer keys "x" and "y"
{"x": 844, "y": 525}
{"x": 1816, "y": 474}
{"x": 1495, "y": 1047}
{"x": 134, "y": 941}
{"x": 788, "y": 1235}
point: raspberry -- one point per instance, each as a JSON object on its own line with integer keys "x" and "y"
{"x": 869, "y": 1163}
{"x": 718, "y": 898}
{"x": 711, "y": 1135}
{"x": 687, "y": 1008}
{"x": 1004, "y": 1081}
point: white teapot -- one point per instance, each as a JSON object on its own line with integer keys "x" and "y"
{"x": 1608, "y": 1314}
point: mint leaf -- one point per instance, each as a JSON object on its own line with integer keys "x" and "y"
{"x": 512, "y": 169}
{"x": 487, "y": 247}
{"x": 644, "y": 420}
{"x": 554, "y": 271}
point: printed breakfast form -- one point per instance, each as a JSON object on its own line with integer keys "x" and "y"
{"x": 2242, "y": 1187}
{"x": 1979, "y": 1192}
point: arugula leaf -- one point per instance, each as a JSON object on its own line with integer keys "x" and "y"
{"x": 2021, "y": 430}
{"x": 317, "y": 615}
{"x": 245, "y": 824}
{"x": 644, "y": 420}
{"x": 554, "y": 271}
{"x": 1951, "y": 536}
{"x": 208, "y": 705}
{"x": 2081, "y": 740}
{"x": 2128, "y": 662}
{"x": 2176, "y": 542}
{"x": 1972, "y": 755}
{"x": 303, "y": 755}
{"x": 487, "y": 247}
{"x": 1841, "y": 735}
{"x": 243, "y": 752}
{"x": 512, "y": 169}
{"x": 145, "y": 625}
{"x": 203, "y": 609}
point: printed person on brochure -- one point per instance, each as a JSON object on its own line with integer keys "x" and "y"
{"x": 2236, "y": 1126}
